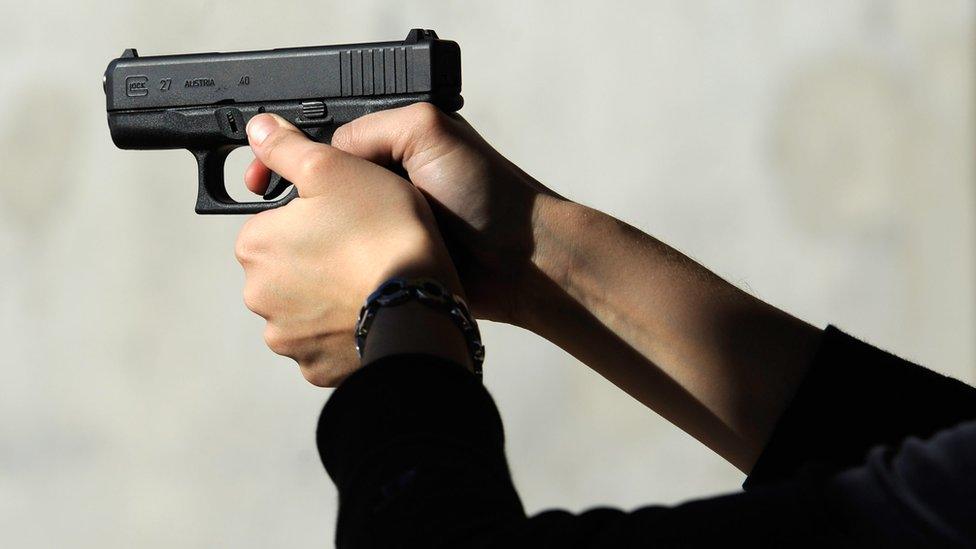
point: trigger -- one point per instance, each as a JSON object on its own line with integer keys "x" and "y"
{"x": 276, "y": 186}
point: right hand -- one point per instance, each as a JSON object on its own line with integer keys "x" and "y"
{"x": 310, "y": 264}
{"x": 486, "y": 206}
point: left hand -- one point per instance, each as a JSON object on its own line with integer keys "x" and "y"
{"x": 310, "y": 264}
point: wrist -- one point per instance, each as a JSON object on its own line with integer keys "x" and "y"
{"x": 411, "y": 316}
{"x": 415, "y": 328}
{"x": 560, "y": 228}
{"x": 421, "y": 256}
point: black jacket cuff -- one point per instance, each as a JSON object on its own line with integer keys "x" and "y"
{"x": 855, "y": 397}
{"x": 407, "y": 397}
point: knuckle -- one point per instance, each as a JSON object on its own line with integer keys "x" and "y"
{"x": 424, "y": 110}
{"x": 320, "y": 372}
{"x": 242, "y": 249}
{"x": 428, "y": 116}
{"x": 317, "y": 162}
{"x": 242, "y": 252}
{"x": 254, "y": 299}
{"x": 344, "y": 136}
{"x": 328, "y": 362}
{"x": 277, "y": 341}
{"x": 247, "y": 245}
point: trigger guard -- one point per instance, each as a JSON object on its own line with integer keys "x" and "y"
{"x": 276, "y": 186}
{"x": 292, "y": 194}
{"x": 212, "y": 197}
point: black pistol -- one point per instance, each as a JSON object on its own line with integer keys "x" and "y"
{"x": 202, "y": 102}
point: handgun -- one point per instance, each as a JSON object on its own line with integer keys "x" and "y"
{"x": 202, "y": 102}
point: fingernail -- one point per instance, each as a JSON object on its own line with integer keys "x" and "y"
{"x": 260, "y": 127}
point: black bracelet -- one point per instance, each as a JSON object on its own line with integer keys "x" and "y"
{"x": 397, "y": 291}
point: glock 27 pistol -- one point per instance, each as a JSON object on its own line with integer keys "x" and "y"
{"x": 202, "y": 102}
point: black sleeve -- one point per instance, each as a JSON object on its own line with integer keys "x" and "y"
{"x": 415, "y": 447}
{"x": 856, "y": 397}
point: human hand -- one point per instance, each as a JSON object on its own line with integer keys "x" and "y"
{"x": 486, "y": 206}
{"x": 310, "y": 264}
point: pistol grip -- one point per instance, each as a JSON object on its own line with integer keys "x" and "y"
{"x": 212, "y": 197}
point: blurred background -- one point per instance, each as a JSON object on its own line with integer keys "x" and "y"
{"x": 818, "y": 154}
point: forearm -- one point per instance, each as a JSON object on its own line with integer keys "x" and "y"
{"x": 717, "y": 362}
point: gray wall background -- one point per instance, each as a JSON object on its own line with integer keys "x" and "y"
{"x": 819, "y": 154}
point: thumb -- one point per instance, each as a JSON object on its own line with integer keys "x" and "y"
{"x": 284, "y": 149}
{"x": 411, "y": 136}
